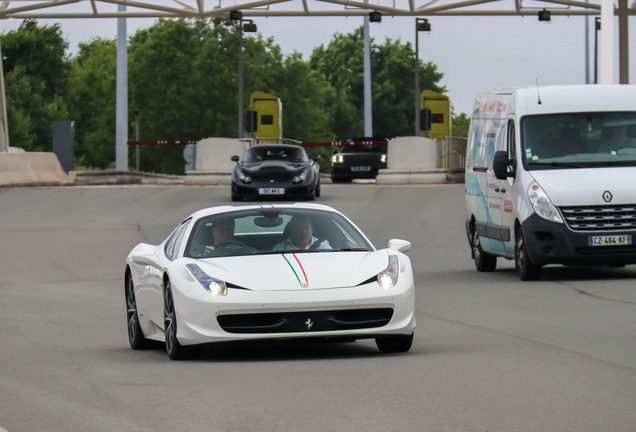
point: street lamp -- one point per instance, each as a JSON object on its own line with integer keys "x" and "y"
{"x": 597, "y": 27}
{"x": 248, "y": 26}
{"x": 421, "y": 24}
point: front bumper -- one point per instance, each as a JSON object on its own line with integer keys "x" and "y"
{"x": 362, "y": 311}
{"x": 553, "y": 243}
{"x": 251, "y": 190}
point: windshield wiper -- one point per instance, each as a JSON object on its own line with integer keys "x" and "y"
{"x": 560, "y": 164}
{"x": 349, "y": 249}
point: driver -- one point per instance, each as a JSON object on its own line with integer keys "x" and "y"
{"x": 617, "y": 140}
{"x": 222, "y": 230}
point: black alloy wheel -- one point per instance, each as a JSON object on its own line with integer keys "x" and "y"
{"x": 135, "y": 335}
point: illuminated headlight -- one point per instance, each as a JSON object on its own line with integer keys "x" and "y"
{"x": 214, "y": 286}
{"x": 383, "y": 158}
{"x": 244, "y": 177}
{"x": 388, "y": 278}
{"x": 337, "y": 159}
{"x": 301, "y": 177}
{"x": 542, "y": 204}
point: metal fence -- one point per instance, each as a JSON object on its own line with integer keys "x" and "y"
{"x": 454, "y": 154}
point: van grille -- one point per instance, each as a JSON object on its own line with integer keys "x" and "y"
{"x": 600, "y": 218}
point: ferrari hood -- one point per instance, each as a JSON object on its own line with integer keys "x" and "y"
{"x": 293, "y": 271}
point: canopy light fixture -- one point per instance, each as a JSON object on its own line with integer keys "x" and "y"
{"x": 375, "y": 16}
{"x": 544, "y": 15}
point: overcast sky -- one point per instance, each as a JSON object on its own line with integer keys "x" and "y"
{"x": 472, "y": 52}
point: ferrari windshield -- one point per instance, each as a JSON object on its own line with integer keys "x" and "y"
{"x": 273, "y": 230}
{"x": 576, "y": 140}
{"x": 262, "y": 152}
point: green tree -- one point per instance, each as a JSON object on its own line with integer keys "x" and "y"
{"x": 92, "y": 100}
{"x": 392, "y": 78}
{"x": 461, "y": 123}
{"x": 36, "y": 72}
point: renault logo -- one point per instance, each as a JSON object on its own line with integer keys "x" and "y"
{"x": 607, "y": 196}
{"x": 309, "y": 324}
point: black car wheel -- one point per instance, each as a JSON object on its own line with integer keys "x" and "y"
{"x": 136, "y": 337}
{"x": 174, "y": 349}
{"x": 394, "y": 344}
{"x": 523, "y": 264}
{"x": 484, "y": 262}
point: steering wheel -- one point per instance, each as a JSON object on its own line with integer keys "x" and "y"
{"x": 317, "y": 244}
{"x": 626, "y": 151}
{"x": 230, "y": 244}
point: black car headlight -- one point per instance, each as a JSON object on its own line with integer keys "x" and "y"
{"x": 337, "y": 158}
{"x": 244, "y": 177}
{"x": 302, "y": 176}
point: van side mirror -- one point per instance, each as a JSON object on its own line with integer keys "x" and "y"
{"x": 235, "y": 159}
{"x": 500, "y": 165}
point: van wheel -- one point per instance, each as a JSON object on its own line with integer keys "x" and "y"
{"x": 484, "y": 262}
{"x": 525, "y": 267}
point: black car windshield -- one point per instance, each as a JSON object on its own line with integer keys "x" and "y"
{"x": 273, "y": 230}
{"x": 260, "y": 153}
{"x": 579, "y": 140}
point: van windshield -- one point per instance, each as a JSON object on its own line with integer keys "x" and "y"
{"x": 577, "y": 140}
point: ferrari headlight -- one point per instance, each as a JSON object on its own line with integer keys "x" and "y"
{"x": 337, "y": 159}
{"x": 388, "y": 278}
{"x": 301, "y": 177}
{"x": 214, "y": 286}
{"x": 542, "y": 204}
{"x": 244, "y": 177}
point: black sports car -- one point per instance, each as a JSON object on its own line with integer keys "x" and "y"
{"x": 276, "y": 171}
{"x": 359, "y": 161}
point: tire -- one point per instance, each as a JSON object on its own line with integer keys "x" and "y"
{"x": 394, "y": 344}
{"x": 317, "y": 191}
{"x": 526, "y": 269}
{"x": 174, "y": 349}
{"x": 484, "y": 262}
{"x": 136, "y": 337}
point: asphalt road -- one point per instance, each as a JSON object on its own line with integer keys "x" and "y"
{"x": 491, "y": 353}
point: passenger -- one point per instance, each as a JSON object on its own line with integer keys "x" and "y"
{"x": 301, "y": 236}
{"x": 572, "y": 142}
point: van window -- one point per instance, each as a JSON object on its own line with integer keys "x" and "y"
{"x": 572, "y": 140}
{"x": 512, "y": 148}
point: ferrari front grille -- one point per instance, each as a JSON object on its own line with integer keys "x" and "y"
{"x": 306, "y": 322}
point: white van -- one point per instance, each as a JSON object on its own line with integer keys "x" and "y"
{"x": 551, "y": 177}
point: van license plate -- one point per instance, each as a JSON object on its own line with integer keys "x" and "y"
{"x": 271, "y": 191}
{"x": 360, "y": 168}
{"x": 616, "y": 240}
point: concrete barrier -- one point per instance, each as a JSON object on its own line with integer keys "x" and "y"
{"x": 412, "y": 160}
{"x": 213, "y": 164}
{"x": 32, "y": 169}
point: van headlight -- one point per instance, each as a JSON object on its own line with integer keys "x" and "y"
{"x": 542, "y": 204}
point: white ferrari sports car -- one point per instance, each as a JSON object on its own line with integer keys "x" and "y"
{"x": 281, "y": 271}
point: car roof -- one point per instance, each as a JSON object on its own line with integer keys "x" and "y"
{"x": 285, "y": 146}
{"x": 230, "y": 208}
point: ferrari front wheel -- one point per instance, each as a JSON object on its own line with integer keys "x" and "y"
{"x": 394, "y": 344}
{"x": 175, "y": 350}
{"x": 135, "y": 335}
